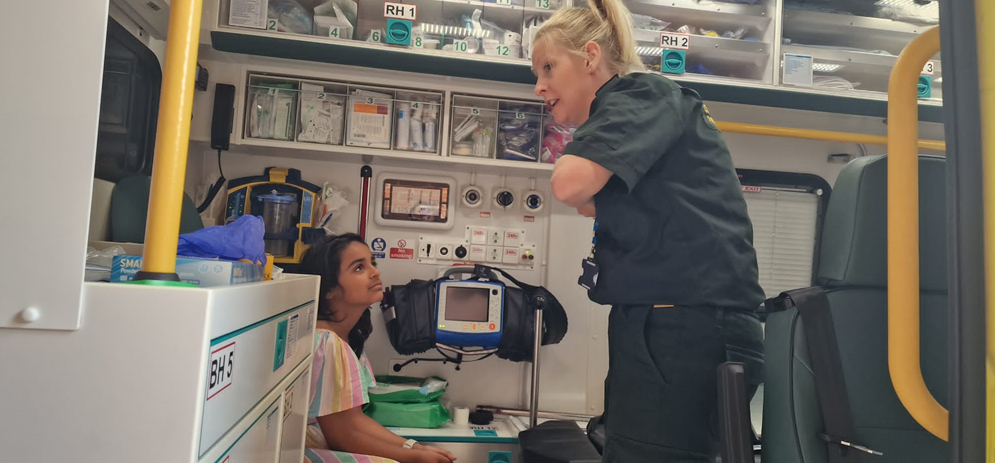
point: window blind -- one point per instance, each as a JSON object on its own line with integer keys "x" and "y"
{"x": 784, "y": 231}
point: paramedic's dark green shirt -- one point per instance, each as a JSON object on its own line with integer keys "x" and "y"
{"x": 672, "y": 222}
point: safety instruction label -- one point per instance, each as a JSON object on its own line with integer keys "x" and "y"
{"x": 221, "y": 367}
{"x": 402, "y": 253}
{"x": 248, "y": 13}
{"x": 378, "y": 246}
{"x": 797, "y": 70}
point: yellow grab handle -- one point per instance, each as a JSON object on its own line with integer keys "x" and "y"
{"x": 172, "y": 141}
{"x": 984, "y": 11}
{"x": 823, "y": 135}
{"x": 903, "y": 236}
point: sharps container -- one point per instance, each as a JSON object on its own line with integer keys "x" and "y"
{"x": 278, "y": 216}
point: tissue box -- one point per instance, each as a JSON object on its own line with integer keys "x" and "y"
{"x": 200, "y": 272}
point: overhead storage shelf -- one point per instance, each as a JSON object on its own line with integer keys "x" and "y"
{"x": 712, "y": 50}
{"x": 354, "y": 53}
{"x": 735, "y": 55}
{"x": 705, "y": 12}
{"x": 849, "y": 30}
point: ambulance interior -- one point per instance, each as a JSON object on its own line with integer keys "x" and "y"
{"x": 310, "y": 115}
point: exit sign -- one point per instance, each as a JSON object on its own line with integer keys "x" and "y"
{"x": 400, "y": 11}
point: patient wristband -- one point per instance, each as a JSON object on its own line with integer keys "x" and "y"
{"x": 410, "y": 443}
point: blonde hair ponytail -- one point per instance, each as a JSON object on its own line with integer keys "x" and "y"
{"x": 605, "y": 22}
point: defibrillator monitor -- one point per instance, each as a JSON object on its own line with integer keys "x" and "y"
{"x": 415, "y": 201}
{"x": 469, "y": 313}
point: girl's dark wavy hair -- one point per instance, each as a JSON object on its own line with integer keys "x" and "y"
{"x": 324, "y": 259}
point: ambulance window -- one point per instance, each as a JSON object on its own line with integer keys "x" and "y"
{"x": 129, "y": 105}
{"x": 786, "y": 224}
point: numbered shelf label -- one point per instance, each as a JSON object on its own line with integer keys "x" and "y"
{"x": 400, "y": 11}
{"x": 221, "y": 369}
{"x": 504, "y": 2}
{"x": 929, "y": 68}
{"x": 503, "y": 50}
{"x": 675, "y": 41}
{"x": 461, "y": 46}
{"x": 333, "y": 32}
{"x": 520, "y": 116}
{"x": 543, "y": 4}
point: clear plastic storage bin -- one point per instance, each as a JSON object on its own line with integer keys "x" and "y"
{"x": 474, "y": 126}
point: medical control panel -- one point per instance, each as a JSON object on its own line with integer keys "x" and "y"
{"x": 469, "y": 313}
{"x": 501, "y": 247}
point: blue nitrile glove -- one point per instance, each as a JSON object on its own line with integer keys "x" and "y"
{"x": 241, "y": 239}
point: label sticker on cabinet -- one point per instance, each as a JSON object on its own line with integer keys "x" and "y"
{"x": 288, "y": 402}
{"x": 400, "y": 11}
{"x": 797, "y": 70}
{"x": 272, "y": 426}
{"x": 675, "y": 41}
{"x": 221, "y": 365}
{"x": 292, "y": 336}
{"x": 247, "y": 13}
{"x": 310, "y": 318}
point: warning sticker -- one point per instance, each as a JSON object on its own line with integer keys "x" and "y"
{"x": 378, "y": 246}
{"x": 402, "y": 253}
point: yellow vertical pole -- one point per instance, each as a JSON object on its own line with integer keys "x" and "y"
{"x": 172, "y": 141}
{"x": 984, "y": 11}
{"x": 903, "y": 236}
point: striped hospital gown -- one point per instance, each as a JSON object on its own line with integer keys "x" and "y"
{"x": 339, "y": 381}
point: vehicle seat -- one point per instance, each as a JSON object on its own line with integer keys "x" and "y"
{"x": 130, "y": 208}
{"x": 852, "y": 269}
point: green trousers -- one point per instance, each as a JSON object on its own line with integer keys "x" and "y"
{"x": 661, "y": 394}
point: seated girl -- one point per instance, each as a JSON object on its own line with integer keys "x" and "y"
{"x": 341, "y": 376}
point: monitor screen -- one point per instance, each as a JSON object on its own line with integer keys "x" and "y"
{"x": 467, "y": 304}
{"x": 415, "y": 201}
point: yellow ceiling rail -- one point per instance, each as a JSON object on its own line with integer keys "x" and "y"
{"x": 172, "y": 141}
{"x": 984, "y": 11}
{"x": 822, "y": 135}
{"x": 903, "y": 236}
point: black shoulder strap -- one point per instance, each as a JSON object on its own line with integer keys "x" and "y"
{"x": 823, "y": 352}
{"x": 554, "y": 318}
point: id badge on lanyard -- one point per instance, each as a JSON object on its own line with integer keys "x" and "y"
{"x": 589, "y": 270}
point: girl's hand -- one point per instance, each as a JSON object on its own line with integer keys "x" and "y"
{"x": 427, "y": 456}
{"x": 442, "y": 452}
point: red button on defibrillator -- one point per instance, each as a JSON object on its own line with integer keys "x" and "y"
{"x": 493, "y": 326}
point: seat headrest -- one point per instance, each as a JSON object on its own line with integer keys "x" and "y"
{"x": 854, "y": 235}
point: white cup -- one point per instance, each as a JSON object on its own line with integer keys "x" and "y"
{"x": 461, "y": 416}
{"x": 512, "y": 38}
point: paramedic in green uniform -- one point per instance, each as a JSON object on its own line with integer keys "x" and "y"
{"x": 674, "y": 245}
